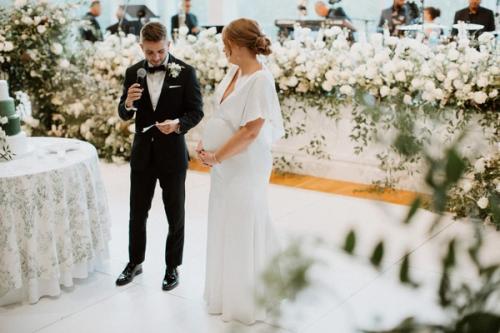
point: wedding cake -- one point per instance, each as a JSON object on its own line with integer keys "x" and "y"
{"x": 10, "y": 123}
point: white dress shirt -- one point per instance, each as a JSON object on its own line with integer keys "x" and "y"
{"x": 155, "y": 83}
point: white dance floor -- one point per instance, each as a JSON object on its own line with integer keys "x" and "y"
{"x": 347, "y": 294}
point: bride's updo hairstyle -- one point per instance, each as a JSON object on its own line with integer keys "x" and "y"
{"x": 246, "y": 33}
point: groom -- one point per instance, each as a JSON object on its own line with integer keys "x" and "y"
{"x": 168, "y": 98}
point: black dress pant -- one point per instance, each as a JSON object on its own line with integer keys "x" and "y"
{"x": 143, "y": 184}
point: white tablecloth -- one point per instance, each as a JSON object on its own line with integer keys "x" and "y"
{"x": 54, "y": 219}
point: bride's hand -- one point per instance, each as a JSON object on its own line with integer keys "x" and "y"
{"x": 208, "y": 158}
{"x": 199, "y": 150}
{"x": 199, "y": 147}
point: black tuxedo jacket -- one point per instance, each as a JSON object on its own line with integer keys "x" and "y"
{"x": 483, "y": 16}
{"x": 181, "y": 99}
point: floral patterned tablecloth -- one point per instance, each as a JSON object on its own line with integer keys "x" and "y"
{"x": 54, "y": 219}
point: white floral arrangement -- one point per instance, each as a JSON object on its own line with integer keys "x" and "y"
{"x": 205, "y": 53}
{"x": 477, "y": 196}
{"x": 109, "y": 58}
{"x": 406, "y": 71}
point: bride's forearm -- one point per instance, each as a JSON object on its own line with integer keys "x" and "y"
{"x": 239, "y": 141}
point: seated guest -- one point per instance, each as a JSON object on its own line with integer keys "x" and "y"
{"x": 90, "y": 29}
{"x": 394, "y": 16}
{"x": 122, "y": 25}
{"x": 475, "y": 14}
{"x": 331, "y": 13}
{"x": 185, "y": 18}
{"x": 430, "y": 15}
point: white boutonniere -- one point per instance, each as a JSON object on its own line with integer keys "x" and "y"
{"x": 174, "y": 69}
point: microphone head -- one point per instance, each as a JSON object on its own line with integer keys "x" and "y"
{"x": 141, "y": 73}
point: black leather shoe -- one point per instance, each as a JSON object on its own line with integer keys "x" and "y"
{"x": 128, "y": 274}
{"x": 171, "y": 279}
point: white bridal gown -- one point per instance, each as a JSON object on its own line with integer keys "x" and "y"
{"x": 241, "y": 239}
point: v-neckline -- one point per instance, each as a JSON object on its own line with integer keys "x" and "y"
{"x": 233, "y": 79}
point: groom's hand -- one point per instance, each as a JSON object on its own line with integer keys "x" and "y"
{"x": 168, "y": 126}
{"x": 134, "y": 93}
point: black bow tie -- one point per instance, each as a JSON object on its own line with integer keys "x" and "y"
{"x": 156, "y": 69}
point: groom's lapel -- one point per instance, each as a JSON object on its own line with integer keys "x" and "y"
{"x": 166, "y": 82}
{"x": 147, "y": 96}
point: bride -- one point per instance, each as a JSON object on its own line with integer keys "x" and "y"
{"x": 237, "y": 145}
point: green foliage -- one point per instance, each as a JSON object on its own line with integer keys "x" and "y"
{"x": 378, "y": 255}
{"x": 350, "y": 242}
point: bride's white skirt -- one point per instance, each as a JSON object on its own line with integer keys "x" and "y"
{"x": 241, "y": 240}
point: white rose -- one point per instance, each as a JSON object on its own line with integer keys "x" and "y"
{"x": 430, "y": 86}
{"x": 479, "y": 166}
{"x": 416, "y": 84}
{"x": 300, "y": 59}
{"x": 453, "y": 54}
{"x": 480, "y": 97}
{"x": 482, "y": 81}
{"x": 498, "y": 187}
{"x": 458, "y": 84}
{"x": 56, "y": 48}
{"x": 302, "y": 87}
{"x": 62, "y": 20}
{"x": 426, "y": 70}
{"x": 400, "y": 76}
{"x": 483, "y": 203}
{"x": 464, "y": 68}
{"x": 438, "y": 94}
{"x": 347, "y": 90}
{"x": 64, "y": 63}
{"x": 292, "y": 81}
{"x": 407, "y": 100}
{"x": 493, "y": 93}
{"x": 466, "y": 185}
{"x": 27, "y": 20}
{"x": 453, "y": 74}
{"x": 371, "y": 72}
{"x": 8, "y": 46}
{"x": 41, "y": 29}
{"x": 327, "y": 86}
{"x": 427, "y": 96}
{"x": 384, "y": 91}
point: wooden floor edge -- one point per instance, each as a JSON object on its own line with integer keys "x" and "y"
{"x": 332, "y": 186}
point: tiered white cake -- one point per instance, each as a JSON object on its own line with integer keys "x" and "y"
{"x": 16, "y": 139}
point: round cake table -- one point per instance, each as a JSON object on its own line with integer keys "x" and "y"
{"x": 54, "y": 219}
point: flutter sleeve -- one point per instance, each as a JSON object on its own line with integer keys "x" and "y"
{"x": 262, "y": 102}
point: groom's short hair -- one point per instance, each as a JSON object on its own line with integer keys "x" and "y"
{"x": 153, "y": 32}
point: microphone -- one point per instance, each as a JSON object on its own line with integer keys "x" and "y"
{"x": 141, "y": 75}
